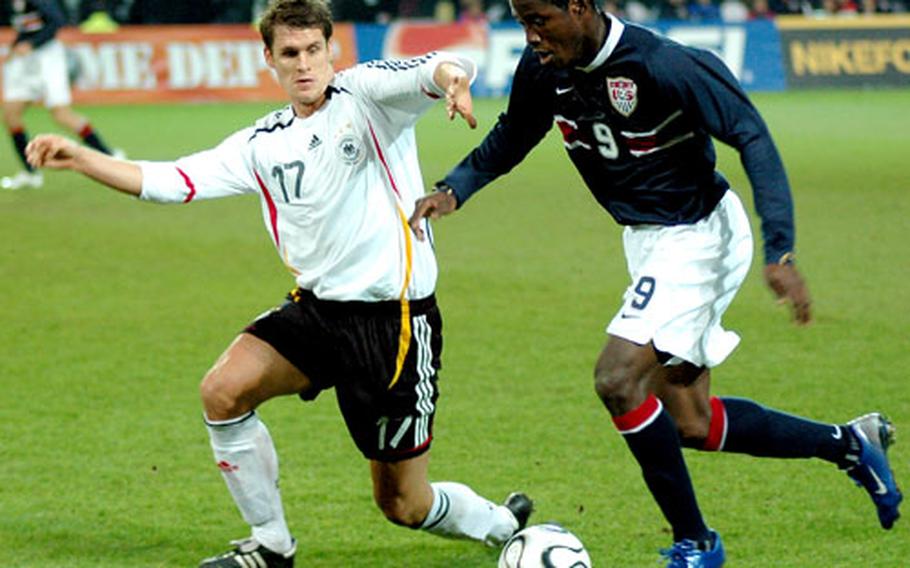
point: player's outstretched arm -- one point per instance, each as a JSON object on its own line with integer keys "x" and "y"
{"x": 59, "y": 153}
{"x": 457, "y": 85}
{"x": 790, "y": 288}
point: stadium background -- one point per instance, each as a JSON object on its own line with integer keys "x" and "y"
{"x": 110, "y": 311}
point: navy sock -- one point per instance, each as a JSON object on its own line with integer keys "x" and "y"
{"x": 651, "y": 434}
{"x": 92, "y": 139}
{"x": 759, "y": 431}
{"x": 20, "y": 140}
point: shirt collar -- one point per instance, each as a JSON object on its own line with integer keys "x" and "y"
{"x": 616, "y": 29}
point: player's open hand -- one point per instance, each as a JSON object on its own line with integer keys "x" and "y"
{"x": 434, "y": 206}
{"x": 790, "y": 288}
{"x": 51, "y": 151}
{"x": 459, "y": 101}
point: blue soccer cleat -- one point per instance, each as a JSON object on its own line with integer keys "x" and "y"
{"x": 685, "y": 554}
{"x": 872, "y": 472}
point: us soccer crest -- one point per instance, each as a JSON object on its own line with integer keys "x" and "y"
{"x": 623, "y": 94}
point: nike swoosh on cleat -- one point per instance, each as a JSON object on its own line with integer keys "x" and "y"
{"x": 563, "y": 91}
{"x": 837, "y": 433}
{"x": 881, "y": 489}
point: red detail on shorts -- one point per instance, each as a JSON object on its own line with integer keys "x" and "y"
{"x": 189, "y": 184}
{"x": 636, "y": 419}
{"x": 382, "y": 160}
{"x": 717, "y": 428}
{"x": 227, "y": 467}
{"x": 273, "y": 211}
{"x": 85, "y": 131}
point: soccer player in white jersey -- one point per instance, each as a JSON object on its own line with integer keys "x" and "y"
{"x": 36, "y": 72}
{"x": 337, "y": 175}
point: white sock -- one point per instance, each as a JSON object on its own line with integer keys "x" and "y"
{"x": 248, "y": 462}
{"x": 458, "y": 512}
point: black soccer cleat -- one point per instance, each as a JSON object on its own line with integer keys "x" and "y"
{"x": 249, "y": 553}
{"x": 521, "y": 507}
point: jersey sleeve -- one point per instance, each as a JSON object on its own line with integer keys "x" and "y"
{"x": 707, "y": 90}
{"x": 222, "y": 171}
{"x": 403, "y": 87}
{"x": 527, "y": 119}
{"x": 53, "y": 20}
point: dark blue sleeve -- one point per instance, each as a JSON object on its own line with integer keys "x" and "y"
{"x": 53, "y": 21}
{"x": 525, "y": 122}
{"x": 708, "y": 92}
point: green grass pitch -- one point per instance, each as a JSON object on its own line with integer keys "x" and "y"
{"x": 111, "y": 311}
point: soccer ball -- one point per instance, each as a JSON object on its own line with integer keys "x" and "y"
{"x": 544, "y": 546}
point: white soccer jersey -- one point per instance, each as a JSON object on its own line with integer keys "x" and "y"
{"x": 336, "y": 187}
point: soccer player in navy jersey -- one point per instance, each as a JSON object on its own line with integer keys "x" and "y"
{"x": 36, "y": 72}
{"x": 637, "y": 112}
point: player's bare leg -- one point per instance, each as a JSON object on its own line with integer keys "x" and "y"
{"x": 685, "y": 391}
{"x": 68, "y": 118}
{"x": 13, "y": 112}
{"x": 407, "y": 498}
{"x": 622, "y": 379}
{"x": 247, "y": 374}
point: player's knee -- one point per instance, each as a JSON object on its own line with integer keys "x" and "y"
{"x": 220, "y": 401}
{"x": 615, "y": 385}
{"x": 65, "y": 116}
{"x": 12, "y": 118}
{"x": 399, "y": 510}
{"x": 692, "y": 431}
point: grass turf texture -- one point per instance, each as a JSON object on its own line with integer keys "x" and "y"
{"x": 113, "y": 310}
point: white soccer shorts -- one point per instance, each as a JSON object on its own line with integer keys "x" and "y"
{"x": 683, "y": 279}
{"x": 40, "y": 76}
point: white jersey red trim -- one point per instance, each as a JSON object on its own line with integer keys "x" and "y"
{"x": 336, "y": 187}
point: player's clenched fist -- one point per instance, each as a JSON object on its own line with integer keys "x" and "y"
{"x": 51, "y": 151}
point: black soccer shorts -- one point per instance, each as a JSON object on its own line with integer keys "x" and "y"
{"x": 388, "y": 402}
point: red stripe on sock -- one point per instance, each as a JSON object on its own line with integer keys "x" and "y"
{"x": 636, "y": 419}
{"x": 14, "y": 131}
{"x": 85, "y": 131}
{"x": 718, "y": 428}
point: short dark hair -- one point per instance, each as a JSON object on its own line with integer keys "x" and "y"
{"x": 295, "y": 14}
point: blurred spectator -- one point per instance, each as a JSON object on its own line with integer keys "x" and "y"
{"x": 375, "y": 11}
{"x": 157, "y": 12}
{"x": 844, "y": 7}
{"x": 416, "y": 9}
{"x": 499, "y": 10}
{"x": 471, "y": 11}
{"x": 232, "y": 11}
{"x": 638, "y": 11}
{"x": 673, "y": 10}
{"x": 613, "y": 7}
{"x": 761, "y": 10}
{"x": 733, "y": 11}
{"x": 704, "y": 11}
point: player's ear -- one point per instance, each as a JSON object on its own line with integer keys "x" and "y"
{"x": 267, "y": 54}
{"x": 578, "y": 7}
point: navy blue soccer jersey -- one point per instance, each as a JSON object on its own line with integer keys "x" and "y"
{"x": 638, "y": 124}
{"x": 36, "y": 21}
